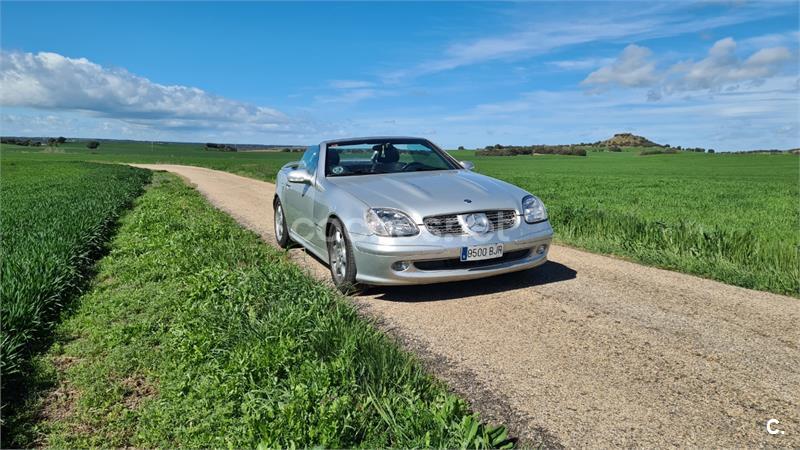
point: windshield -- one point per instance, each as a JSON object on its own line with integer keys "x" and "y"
{"x": 392, "y": 156}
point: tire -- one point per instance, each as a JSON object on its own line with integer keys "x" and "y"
{"x": 279, "y": 222}
{"x": 341, "y": 260}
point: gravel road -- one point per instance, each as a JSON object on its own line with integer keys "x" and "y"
{"x": 586, "y": 350}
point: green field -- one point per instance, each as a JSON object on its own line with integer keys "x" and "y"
{"x": 198, "y": 334}
{"x": 261, "y": 165}
{"x": 732, "y": 218}
{"x": 55, "y": 220}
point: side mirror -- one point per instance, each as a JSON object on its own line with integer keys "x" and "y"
{"x": 467, "y": 165}
{"x": 299, "y": 176}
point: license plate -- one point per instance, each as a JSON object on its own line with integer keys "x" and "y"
{"x": 479, "y": 252}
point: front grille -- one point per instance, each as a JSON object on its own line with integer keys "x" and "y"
{"x": 455, "y": 263}
{"x": 502, "y": 219}
{"x": 442, "y": 225}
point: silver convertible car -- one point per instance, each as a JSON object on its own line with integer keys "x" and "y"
{"x": 399, "y": 210}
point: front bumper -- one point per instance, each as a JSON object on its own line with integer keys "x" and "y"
{"x": 375, "y": 255}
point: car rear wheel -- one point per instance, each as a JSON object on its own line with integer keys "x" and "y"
{"x": 340, "y": 258}
{"x": 281, "y": 232}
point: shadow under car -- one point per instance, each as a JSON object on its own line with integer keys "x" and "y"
{"x": 549, "y": 272}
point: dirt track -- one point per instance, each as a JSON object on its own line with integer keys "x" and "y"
{"x": 587, "y": 350}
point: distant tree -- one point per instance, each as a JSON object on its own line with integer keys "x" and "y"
{"x": 52, "y": 142}
{"x": 498, "y": 146}
{"x": 61, "y": 139}
{"x": 711, "y": 150}
{"x": 92, "y": 145}
{"x": 461, "y": 147}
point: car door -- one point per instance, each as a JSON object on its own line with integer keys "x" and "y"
{"x": 300, "y": 197}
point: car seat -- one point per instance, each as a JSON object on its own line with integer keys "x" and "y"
{"x": 332, "y": 160}
{"x": 386, "y": 157}
{"x": 390, "y": 154}
{"x": 332, "y": 157}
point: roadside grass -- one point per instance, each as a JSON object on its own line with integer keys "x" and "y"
{"x": 197, "y": 334}
{"x": 56, "y": 218}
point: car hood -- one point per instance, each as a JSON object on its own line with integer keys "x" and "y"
{"x": 423, "y": 194}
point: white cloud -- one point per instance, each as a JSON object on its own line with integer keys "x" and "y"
{"x": 722, "y": 67}
{"x": 580, "y": 64}
{"x": 720, "y": 70}
{"x": 539, "y": 37}
{"x": 351, "y": 84}
{"x": 539, "y": 40}
{"x": 54, "y": 82}
{"x": 633, "y": 68}
{"x": 762, "y": 116}
{"x": 788, "y": 39}
{"x": 351, "y": 96}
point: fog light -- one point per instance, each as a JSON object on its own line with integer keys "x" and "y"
{"x": 541, "y": 249}
{"x": 400, "y": 266}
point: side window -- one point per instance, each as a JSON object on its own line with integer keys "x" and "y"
{"x": 310, "y": 159}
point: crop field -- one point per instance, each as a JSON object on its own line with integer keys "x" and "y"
{"x": 733, "y": 218}
{"x": 56, "y": 218}
{"x": 261, "y": 165}
{"x": 197, "y": 334}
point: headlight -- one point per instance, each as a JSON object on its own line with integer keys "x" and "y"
{"x": 533, "y": 209}
{"x": 390, "y": 222}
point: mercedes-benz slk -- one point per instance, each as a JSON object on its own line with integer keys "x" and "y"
{"x": 400, "y": 210}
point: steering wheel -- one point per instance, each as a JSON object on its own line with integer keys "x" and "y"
{"x": 414, "y": 165}
{"x": 374, "y": 160}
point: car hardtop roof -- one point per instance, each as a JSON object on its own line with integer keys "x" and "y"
{"x": 376, "y": 140}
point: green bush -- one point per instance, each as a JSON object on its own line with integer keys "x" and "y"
{"x": 499, "y": 150}
{"x": 658, "y": 151}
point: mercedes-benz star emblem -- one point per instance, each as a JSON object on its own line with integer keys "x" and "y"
{"x": 477, "y": 222}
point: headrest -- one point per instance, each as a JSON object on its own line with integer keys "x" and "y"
{"x": 390, "y": 154}
{"x": 332, "y": 157}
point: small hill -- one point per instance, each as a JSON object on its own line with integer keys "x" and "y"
{"x": 628, "y": 140}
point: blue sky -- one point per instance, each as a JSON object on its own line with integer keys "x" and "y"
{"x": 723, "y": 75}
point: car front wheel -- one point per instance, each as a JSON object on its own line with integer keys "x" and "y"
{"x": 281, "y": 232}
{"x": 340, "y": 258}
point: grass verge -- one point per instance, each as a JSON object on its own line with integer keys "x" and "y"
{"x": 198, "y": 334}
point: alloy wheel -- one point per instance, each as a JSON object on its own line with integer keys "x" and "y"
{"x": 279, "y": 222}
{"x": 339, "y": 255}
